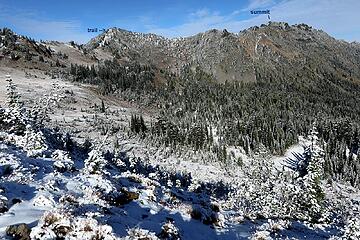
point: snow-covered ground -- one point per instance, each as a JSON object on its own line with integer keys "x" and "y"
{"x": 140, "y": 191}
{"x": 292, "y": 154}
{"x": 164, "y": 196}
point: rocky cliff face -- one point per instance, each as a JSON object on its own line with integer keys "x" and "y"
{"x": 275, "y": 47}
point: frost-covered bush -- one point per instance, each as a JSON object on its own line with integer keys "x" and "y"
{"x": 274, "y": 226}
{"x": 69, "y": 200}
{"x": 281, "y": 195}
{"x": 3, "y": 204}
{"x": 95, "y": 162}
{"x": 31, "y": 141}
{"x": 57, "y": 225}
{"x": 261, "y": 235}
{"x": 205, "y": 214}
{"x": 169, "y": 231}
{"x": 352, "y": 229}
{"x": 52, "y": 225}
{"x": 138, "y": 233}
{"x": 63, "y": 161}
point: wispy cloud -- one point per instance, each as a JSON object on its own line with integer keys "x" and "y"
{"x": 28, "y": 23}
{"x": 198, "y": 21}
{"x": 52, "y": 30}
{"x": 203, "y": 20}
{"x": 201, "y": 13}
{"x": 254, "y": 4}
{"x": 338, "y": 18}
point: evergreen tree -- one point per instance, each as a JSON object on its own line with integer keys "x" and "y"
{"x": 102, "y": 109}
{"x": 34, "y": 143}
{"x": 14, "y": 119}
{"x": 95, "y": 162}
{"x": 313, "y": 194}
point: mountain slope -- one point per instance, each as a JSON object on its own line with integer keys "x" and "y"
{"x": 236, "y": 57}
{"x": 259, "y": 90}
{"x": 56, "y": 187}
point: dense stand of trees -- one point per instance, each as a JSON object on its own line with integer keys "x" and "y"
{"x": 111, "y": 76}
{"x": 269, "y": 114}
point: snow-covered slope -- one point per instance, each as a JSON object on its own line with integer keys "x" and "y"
{"x": 62, "y": 188}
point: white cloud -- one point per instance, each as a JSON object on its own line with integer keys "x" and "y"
{"x": 338, "y": 18}
{"x": 204, "y": 20}
{"x": 27, "y": 23}
{"x": 199, "y": 21}
{"x": 254, "y": 4}
{"x": 53, "y": 30}
{"x": 201, "y": 13}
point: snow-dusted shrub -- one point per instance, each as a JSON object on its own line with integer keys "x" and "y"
{"x": 3, "y": 204}
{"x": 95, "y": 162}
{"x": 352, "y": 229}
{"x": 86, "y": 228}
{"x": 51, "y": 225}
{"x": 24, "y": 126}
{"x": 63, "y": 161}
{"x": 68, "y": 199}
{"x": 140, "y": 234}
{"x": 274, "y": 226}
{"x": 96, "y": 188}
{"x": 261, "y": 235}
{"x": 169, "y": 231}
{"x": 56, "y": 225}
{"x": 43, "y": 201}
{"x": 16, "y": 117}
{"x": 206, "y": 215}
{"x": 18, "y": 231}
{"x": 31, "y": 141}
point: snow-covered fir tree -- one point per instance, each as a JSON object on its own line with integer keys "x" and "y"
{"x": 63, "y": 161}
{"x": 34, "y": 142}
{"x": 95, "y": 162}
{"x": 14, "y": 115}
{"x": 313, "y": 194}
{"x": 39, "y": 112}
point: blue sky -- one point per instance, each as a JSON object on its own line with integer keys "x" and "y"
{"x": 66, "y": 20}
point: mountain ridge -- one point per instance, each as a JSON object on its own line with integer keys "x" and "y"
{"x": 229, "y": 56}
{"x": 224, "y": 55}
